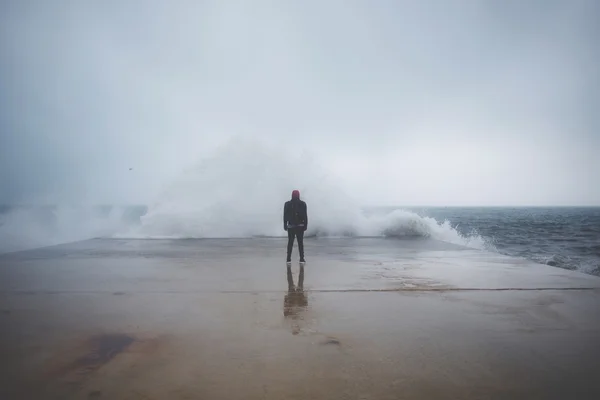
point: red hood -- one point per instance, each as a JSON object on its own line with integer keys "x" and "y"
{"x": 296, "y": 194}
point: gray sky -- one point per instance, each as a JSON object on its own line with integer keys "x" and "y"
{"x": 404, "y": 102}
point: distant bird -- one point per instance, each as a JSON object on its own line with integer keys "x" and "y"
{"x": 130, "y": 169}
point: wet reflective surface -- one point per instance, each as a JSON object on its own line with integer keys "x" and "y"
{"x": 364, "y": 319}
{"x": 295, "y": 301}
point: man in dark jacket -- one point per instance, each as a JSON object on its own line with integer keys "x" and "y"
{"x": 295, "y": 222}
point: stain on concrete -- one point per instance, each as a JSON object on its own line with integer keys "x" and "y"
{"x": 94, "y": 394}
{"x": 331, "y": 341}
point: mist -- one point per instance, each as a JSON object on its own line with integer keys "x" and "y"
{"x": 401, "y": 102}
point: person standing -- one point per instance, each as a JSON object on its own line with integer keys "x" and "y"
{"x": 295, "y": 222}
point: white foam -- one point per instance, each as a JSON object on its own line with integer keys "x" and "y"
{"x": 240, "y": 191}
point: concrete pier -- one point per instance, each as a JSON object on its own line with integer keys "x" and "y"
{"x": 226, "y": 319}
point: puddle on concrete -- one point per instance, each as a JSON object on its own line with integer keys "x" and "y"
{"x": 103, "y": 349}
{"x": 78, "y": 360}
{"x": 86, "y": 357}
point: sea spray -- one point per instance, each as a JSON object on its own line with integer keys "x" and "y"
{"x": 32, "y": 226}
{"x": 240, "y": 191}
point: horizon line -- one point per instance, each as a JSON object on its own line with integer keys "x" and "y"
{"x": 362, "y": 206}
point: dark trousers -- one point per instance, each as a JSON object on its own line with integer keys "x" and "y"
{"x": 295, "y": 233}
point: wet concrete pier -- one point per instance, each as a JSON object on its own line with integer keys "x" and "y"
{"x": 226, "y": 319}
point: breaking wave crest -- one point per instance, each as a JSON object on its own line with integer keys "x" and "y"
{"x": 240, "y": 191}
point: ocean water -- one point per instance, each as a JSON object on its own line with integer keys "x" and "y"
{"x": 563, "y": 237}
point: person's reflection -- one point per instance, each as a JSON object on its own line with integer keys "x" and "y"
{"x": 295, "y": 301}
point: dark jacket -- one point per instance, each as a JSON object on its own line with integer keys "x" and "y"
{"x": 294, "y": 214}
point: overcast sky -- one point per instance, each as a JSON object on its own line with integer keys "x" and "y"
{"x": 447, "y": 102}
